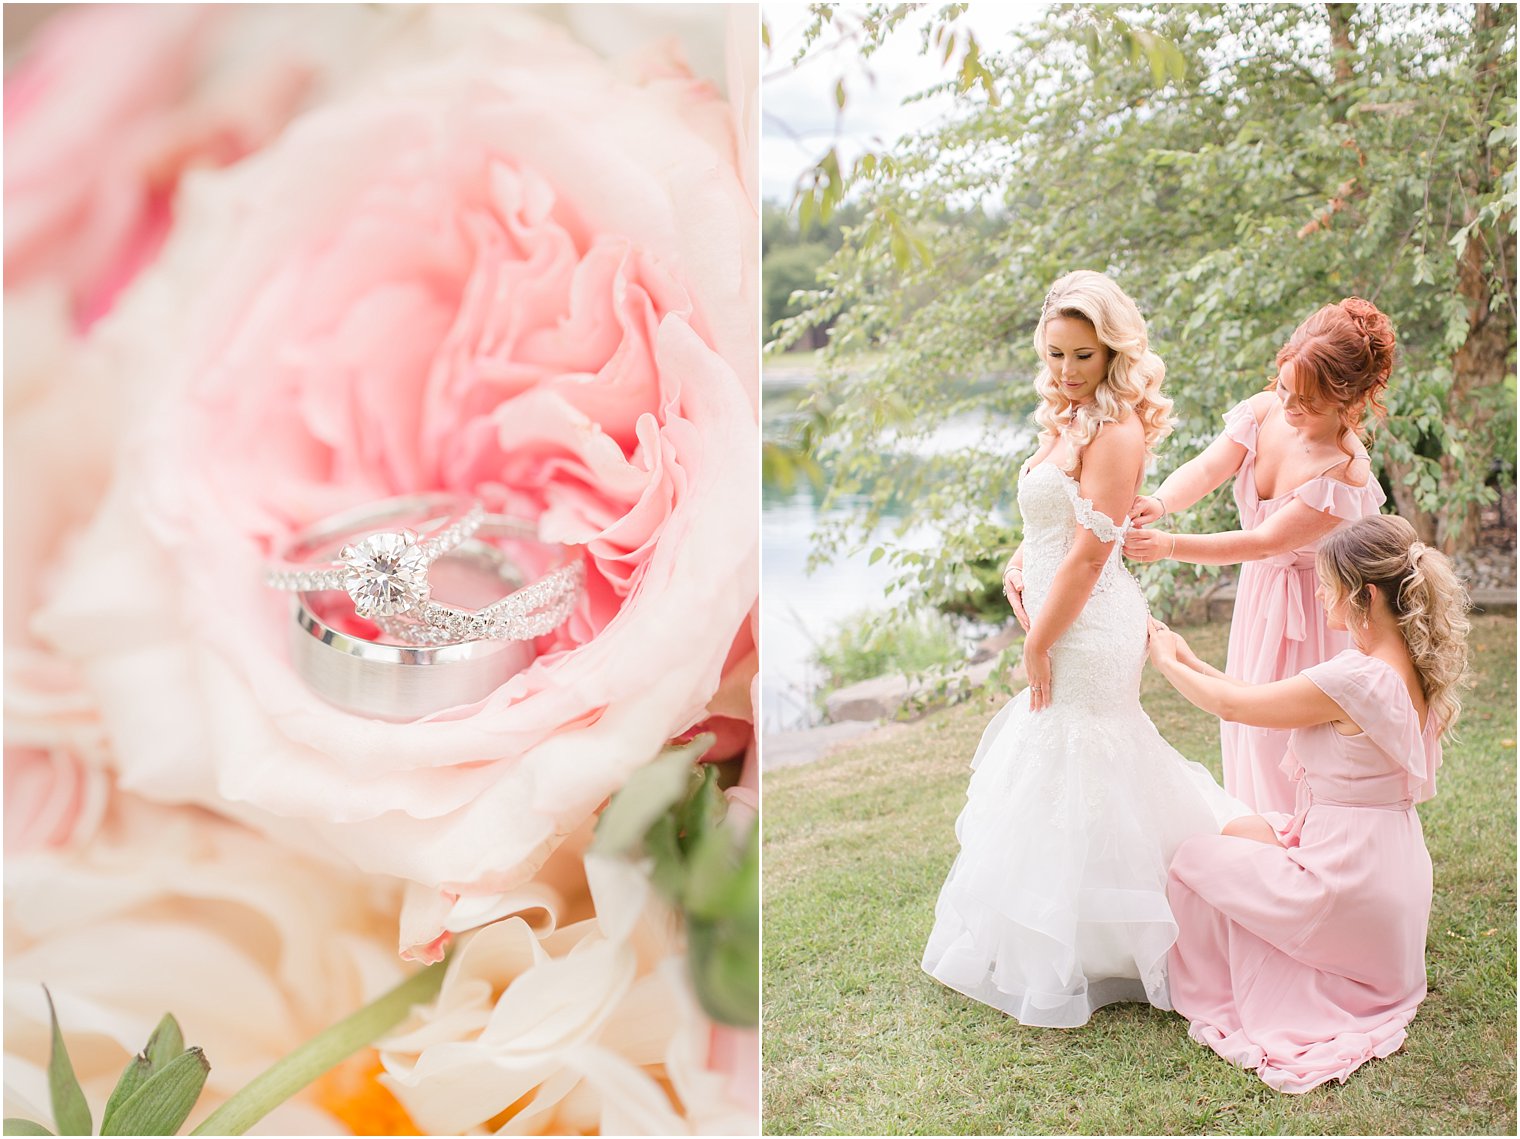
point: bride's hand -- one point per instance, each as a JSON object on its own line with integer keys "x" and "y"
{"x": 1037, "y": 670}
{"x": 1149, "y": 545}
{"x": 1013, "y": 589}
{"x": 1145, "y": 510}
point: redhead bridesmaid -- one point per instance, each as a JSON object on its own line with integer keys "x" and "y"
{"x": 1300, "y": 471}
{"x": 1300, "y": 951}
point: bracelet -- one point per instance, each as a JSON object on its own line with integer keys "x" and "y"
{"x": 1164, "y": 510}
{"x": 1173, "y": 550}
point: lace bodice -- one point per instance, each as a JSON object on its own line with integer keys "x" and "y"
{"x": 1052, "y": 506}
{"x": 1099, "y": 657}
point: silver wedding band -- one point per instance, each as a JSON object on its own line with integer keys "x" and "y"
{"x": 398, "y": 682}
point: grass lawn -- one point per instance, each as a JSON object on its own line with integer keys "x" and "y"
{"x": 858, "y": 1040}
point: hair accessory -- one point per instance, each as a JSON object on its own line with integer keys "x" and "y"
{"x": 1415, "y": 550}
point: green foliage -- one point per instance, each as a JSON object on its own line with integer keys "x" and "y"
{"x": 71, "y": 1114}
{"x": 1231, "y": 193}
{"x": 161, "y": 1084}
{"x": 823, "y": 186}
{"x": 160, "y": 1103}
{"x": 672, "y": 813}
{"x": 789, "y": 270}
{"x": 154, "y": 1095}
{"x": 872, "y": 644}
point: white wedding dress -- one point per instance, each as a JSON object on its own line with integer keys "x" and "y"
{"x": 1056, "y": 904}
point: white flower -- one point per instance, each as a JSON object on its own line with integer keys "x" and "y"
{"x": 590, "y": 1027}
{"x": 252, "y": 947}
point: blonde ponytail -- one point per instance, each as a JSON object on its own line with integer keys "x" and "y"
{"x": 1424, "y": 592}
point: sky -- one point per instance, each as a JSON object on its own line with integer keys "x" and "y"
{"x": 799, "y": 117}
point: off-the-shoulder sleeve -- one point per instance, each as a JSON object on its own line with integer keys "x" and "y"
{"x": 1091, "y": 518}
{"x": 1240, "y": 425}
{"x": 1341, "y": 499}
{"x": 1374, "y": 696}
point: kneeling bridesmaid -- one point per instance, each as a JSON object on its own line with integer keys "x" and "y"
{"x": 1301, "y": 939}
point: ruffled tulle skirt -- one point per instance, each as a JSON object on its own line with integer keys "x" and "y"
{"x": 1056, "y": 904}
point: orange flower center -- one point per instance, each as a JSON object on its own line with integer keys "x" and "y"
{"x": 353, "y": 1094}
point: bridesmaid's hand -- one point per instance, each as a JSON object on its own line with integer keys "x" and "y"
{"x": 1037, "y": 669}
{"x": 1168, "y": 646}
{"x": 1165, "y": 646}
{"x": 1149, "y": 545}
{"x": 1145, "y": 510}
{"x": 1013, "y": 589}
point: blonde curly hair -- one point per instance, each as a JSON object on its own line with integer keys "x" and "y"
{"x": 1134, "y": 376}
{"x": 1423, "y": 591}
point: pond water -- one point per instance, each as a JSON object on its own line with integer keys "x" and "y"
{"x": 800, "y": 609}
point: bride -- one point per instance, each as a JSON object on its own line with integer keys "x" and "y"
{"x": 1056, "y": 904}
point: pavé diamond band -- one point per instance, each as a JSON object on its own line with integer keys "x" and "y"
{"x": 529, "y": 611}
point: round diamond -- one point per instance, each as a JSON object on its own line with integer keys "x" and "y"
{"x": 386, "y": 574}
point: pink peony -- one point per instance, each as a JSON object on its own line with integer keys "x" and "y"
{"x": 110, "y": 105}
{"x": 510, "y": 274}
{"x": 55, "y": 756}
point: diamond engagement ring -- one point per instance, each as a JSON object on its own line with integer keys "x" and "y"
{"x": 399, "y": 682}
{"x": 385, "y": 572}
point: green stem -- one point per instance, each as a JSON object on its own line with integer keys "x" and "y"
{"x": 292, "y": 1072}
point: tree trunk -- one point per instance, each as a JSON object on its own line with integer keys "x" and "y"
{"x": 1483, "y": 359}
{"x": 1405, "y": 504}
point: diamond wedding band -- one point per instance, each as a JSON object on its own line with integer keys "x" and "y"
{"x": 527, "y": 612}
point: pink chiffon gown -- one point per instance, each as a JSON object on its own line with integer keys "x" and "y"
{"x": 1305, "y": 961}
{"x": 1279, "y": 626}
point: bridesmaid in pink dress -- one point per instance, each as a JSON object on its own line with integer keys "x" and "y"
{"x": 1300, "y": 471}
{"x": 1300, "y": 951}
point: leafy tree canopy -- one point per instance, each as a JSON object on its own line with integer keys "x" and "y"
{"x": 1234, "y": 167}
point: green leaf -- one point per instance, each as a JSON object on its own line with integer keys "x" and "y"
{"x": 136, "y": 1073}
{"x": 24, "y": 1127}
{"x": 332, "y": 1046}
{"x": 651, "y": 791}
{"x": 161, "y": 1104}
{"x": 71, "y": 1114}
{"x": 725, "y": 971}
{"x": 839, "y": 95}
{"x": 724, "y": 950}
{"x": 722, "y": 877}
{"x": 1090, "y": 37}
{"x": 805, "y": 208}
{"x": 703, "y": 810}
{"x": 166, "y": 1043}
